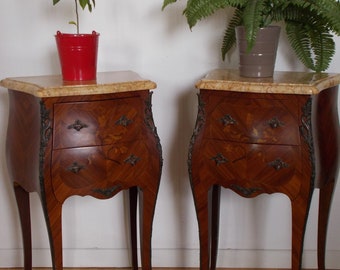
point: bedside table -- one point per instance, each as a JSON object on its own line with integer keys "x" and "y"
{"x": 255, "y": 136}
{"x": 97, "y": 138}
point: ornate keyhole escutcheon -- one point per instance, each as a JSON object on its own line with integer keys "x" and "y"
{"x": 123, "y": 121}
{"x": 132, "y": 159}
{"x": 228, "y": 120}
{"x": 278, "y": 164}
{"x": 77, "y": 125}
{"x": 75, "y": 167}
{"x": 219, "y": 159}
{"x": 275, "y": 123}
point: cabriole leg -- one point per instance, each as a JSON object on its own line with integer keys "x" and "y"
{"x": 133, "y": 192}
{"x": 23, "y": 202}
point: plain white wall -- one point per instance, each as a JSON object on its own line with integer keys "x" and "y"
{"x": 137, "y": 35}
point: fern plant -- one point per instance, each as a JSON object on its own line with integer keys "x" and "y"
{"x": 309, "y": 24}
{"x": 90, "y": 4}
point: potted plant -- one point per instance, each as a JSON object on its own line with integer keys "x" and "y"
{"x": 309, "y": 24}
{"x": 78, "y": 52}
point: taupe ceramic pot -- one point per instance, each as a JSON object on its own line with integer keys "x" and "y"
{"x": 260, "y": 61}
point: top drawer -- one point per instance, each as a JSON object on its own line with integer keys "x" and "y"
{"x": 268, "y": 121}
{"x": 97, "y": 122}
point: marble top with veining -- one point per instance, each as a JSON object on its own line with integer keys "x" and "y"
{"x": 54, "y": 86}
{"x": 301, "y": 83}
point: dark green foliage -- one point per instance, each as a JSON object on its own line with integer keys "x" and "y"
{"x": 310, "y": 24}
{"x": 167, "y": 2}
{"x": 199, "y": 9}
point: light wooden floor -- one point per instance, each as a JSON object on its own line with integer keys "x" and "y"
{"x": 154, "y": 268}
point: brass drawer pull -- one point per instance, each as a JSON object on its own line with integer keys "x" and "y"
{"x": 132, "y": 159}
{"x": 75, "y": 167}
{"x": 278, "y": 164}
{"x": 123, "y": 121}
{"x": 228, "y": 120}
{"x": 275, "y": 123}
{"x": 77, "y": 125}
{"x": 219, "y": 159}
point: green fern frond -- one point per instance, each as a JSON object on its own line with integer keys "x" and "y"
{"x": 197, "y": 10}
{"x": 252, "y": 20}
{"x": 313, "y": 30}
{"x": 167, "y": 2}
{"x": 309, "y": 24}
{"x": 237, "y": 3}
{"x": 323, "y": 47}
{"x": 330, "y": 10}
{"x": 229, "y": 38}
{"x": 289, "y": 12}
{"x": 300, "y": 42}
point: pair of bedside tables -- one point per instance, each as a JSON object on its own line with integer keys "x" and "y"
{"x": 253, "y": 136}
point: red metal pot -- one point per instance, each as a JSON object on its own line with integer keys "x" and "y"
{"x": 78, "y": 55}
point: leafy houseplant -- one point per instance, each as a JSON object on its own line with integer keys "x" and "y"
{"x": 78, "y": 52}
{"x": 90, "y": 4}
{"x": 309, "y": 24}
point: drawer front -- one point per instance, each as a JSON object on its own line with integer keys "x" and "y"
{"x": 250, "y": 169}
{"x": 97, "y": 171}
{"x": 97, "y": 122}
{"x": 267, "y": 121}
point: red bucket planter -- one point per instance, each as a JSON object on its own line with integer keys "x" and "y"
{"x": 78, "y": 55}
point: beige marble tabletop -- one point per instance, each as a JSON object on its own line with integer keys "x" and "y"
{"x": 302, "y": 83}
{"x": 54, "y": 86}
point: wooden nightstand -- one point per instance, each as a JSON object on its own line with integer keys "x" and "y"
{"x": 96, "y": 139}
{"x": 269, "y": 135}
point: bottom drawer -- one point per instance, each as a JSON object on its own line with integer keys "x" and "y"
{"x": 251, "y": 169}
{"x": 97, "y": 171}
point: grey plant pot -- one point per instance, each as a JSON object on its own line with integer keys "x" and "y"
{"x": 260, "y": 61}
